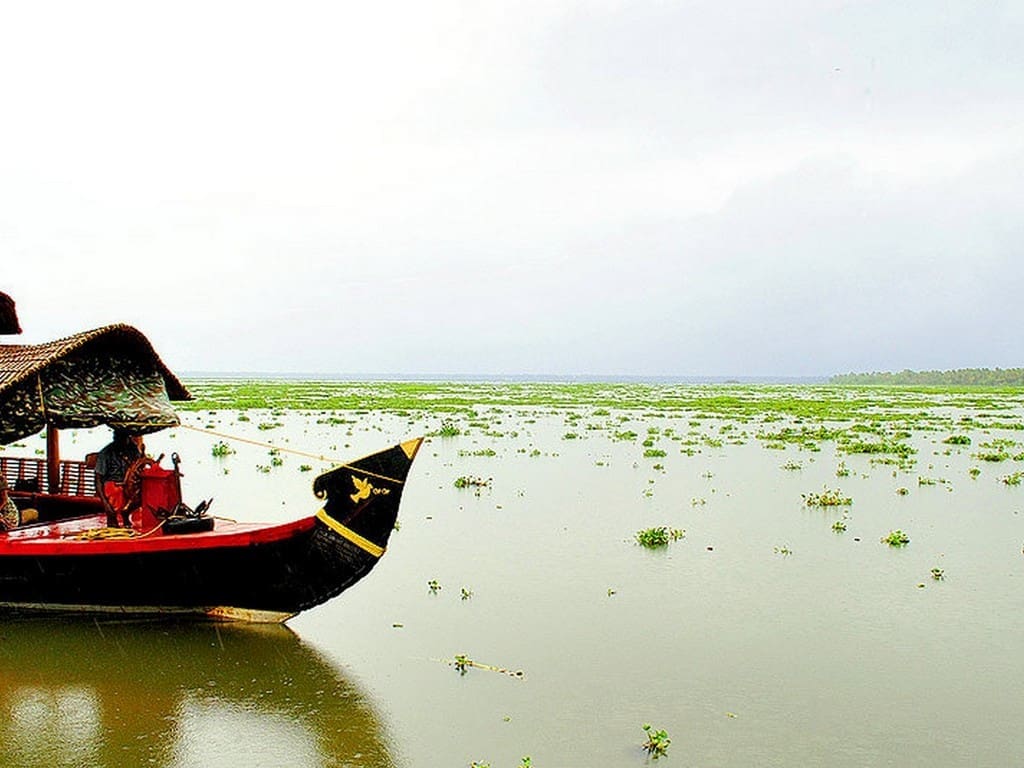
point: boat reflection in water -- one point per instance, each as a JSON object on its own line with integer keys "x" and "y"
{"x": 113, "y": 694}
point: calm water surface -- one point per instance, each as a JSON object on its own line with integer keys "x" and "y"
{"x": 843, "y": 652}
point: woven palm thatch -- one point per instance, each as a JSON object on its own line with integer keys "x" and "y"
{"x": 110, "y": 375}
{"x": 8, "y": 316}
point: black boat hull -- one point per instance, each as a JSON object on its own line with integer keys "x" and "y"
{"x": 269, "y": 574}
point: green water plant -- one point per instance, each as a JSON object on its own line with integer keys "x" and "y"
{"x": 221, "y": 449}
{"x": 448, "y": 428}
{"x": 1014, "y": 479}
{"x": 896, "y": 538}
{"x": 657, "y": 741}
{"x": 938, "y": 574}
{"x": 827, "y": 498}
{"x": 957, "y": 440}
{"x": 659, "y": 536}
{"x": 433, "y": 586}
{"x": 472, "y": 482}
{"x": 993, "y": 451}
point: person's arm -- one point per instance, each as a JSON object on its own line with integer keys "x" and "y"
{"x": 101, "y": 491}
{"x": 101, "y": 471}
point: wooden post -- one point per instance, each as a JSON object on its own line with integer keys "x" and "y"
{"x": 53, "y": 459}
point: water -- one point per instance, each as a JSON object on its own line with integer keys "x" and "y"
{"x": 844, "y": 652}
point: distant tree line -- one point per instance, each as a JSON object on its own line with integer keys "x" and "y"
{"x": 982, "y": 377}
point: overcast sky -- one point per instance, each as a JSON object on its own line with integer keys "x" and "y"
{"x": 556, "y": 187}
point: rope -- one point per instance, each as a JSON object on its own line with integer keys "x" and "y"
{"x": 259, "y": 444}
{"x": 103, "y": 534}
{"x": 320, "y": 457}
{"x": 112, "y": 534}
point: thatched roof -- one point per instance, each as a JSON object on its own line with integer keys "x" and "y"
{"x": 21, "y": 361}
{"x": 8, "y": 316}
{"x": 110, "y": 375}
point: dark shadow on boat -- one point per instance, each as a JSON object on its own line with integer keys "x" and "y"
{"x": 80, "y": 692}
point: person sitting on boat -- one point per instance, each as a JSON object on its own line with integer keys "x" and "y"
{"x": 10, "y": 517}
{"x": 112, "y": 466}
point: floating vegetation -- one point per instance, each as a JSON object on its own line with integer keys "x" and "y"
{"x": 839, "y": 526}
{"x": 938, "y": 574}
{"x": 654, "y": 453}
{"x": 784, "y": 550}
{"x": 221, "y": 449}
{"x": 466, "y": 593}
{"x": 827, "y": 498}
{"x": 883, "y": 447}
{"x": 660, "y": 536}
{"x": 842, "y": 470}
{"x": 887, "y": 405}
{"x": 957, "y": 440}
{"x": 993, "y": 456}
{"x": 447, "y": 429}
{"x": 792, "y": 465}
{"x": 896, "y": 538}
{"x": 657, "y": 742}
{"x": 433, "y": 586}
{"x": 1014, "y": 479}
{"x": 463, "y": 664}
{"x": 472, "y": 482}
{"x": 994, "y": 450}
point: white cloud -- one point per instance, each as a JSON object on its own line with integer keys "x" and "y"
{"x": 627, "y": 186}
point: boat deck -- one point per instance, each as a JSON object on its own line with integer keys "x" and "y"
{"x": 88, "y": 535}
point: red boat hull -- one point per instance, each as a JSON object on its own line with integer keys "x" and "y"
{"x": 248, "y": 571}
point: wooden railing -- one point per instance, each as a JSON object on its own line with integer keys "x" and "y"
{"x": 29, "y": 475}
